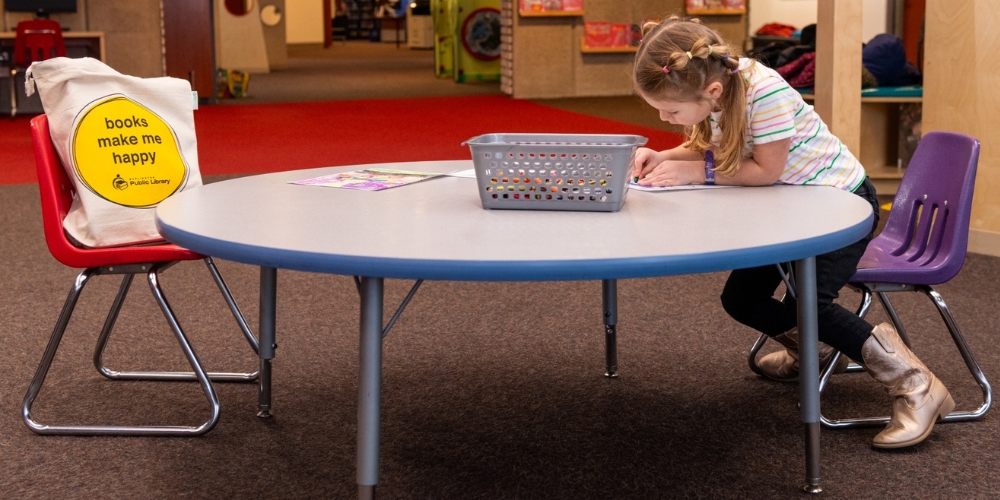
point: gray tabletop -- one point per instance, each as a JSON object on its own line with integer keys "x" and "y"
{"x": 437, "y": 229}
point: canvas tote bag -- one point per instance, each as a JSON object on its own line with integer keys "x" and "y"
{"x": 127, "y": 144}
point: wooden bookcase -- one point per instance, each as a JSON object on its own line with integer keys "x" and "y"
{"x": 878, "y": 149}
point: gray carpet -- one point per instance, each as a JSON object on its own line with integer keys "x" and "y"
{"x": 490, "y": 390}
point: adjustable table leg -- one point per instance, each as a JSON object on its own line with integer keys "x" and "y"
{"x": 805, "y": 284}
{"x": 609, "y": 295}
{"x": 268, "y": 306}
{"x": 369, "y": 386}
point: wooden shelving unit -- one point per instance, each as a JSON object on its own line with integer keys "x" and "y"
{"x": 360, "y": 19}
{"x": 551, "y": 13}
{"x": 586, "y": 49}
{"x": 716, "y": 12}
{"x": 879, "y": 139}
{"x": 875, "y": 99}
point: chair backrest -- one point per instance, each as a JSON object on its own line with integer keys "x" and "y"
{"x": 928, "y": 226}
{"x": 38, "y": 40}
{"x": 56, "y": 192}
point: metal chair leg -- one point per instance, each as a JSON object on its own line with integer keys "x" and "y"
{"x": 233, "y": 307}
{"x": 866, "y": 301}
{"x": 956, "y": 335}
{"x": 43, "y": 368}
{"x": 13, "y": 93}
{"x": 893, "y": 318}
{"x": 109, "y": 323}
{"x": 880, "y": 291}
{"x": 752, "y": 359}
{"x": 970, "y": 361}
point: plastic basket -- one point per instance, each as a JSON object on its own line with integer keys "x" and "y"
{"x": 585, "y": 172}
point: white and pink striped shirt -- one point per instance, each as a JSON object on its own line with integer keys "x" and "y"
{"x": 776, "y": 111}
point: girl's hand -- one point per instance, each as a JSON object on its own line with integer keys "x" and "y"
{"x": 644, "y": 161}
{"x": 674, "y": 173}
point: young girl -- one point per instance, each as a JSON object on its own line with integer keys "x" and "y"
{"x": 744, "y": 125}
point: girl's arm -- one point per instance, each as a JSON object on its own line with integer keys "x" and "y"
{"x": 763, "y": 169}
{"x": 647, "y": 159}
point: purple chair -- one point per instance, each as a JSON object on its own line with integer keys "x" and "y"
{"x": 923, "y": 244}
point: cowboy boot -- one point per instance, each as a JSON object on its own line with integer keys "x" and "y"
{"x": 783, "y": 366}
{"x": 920, "y": 399}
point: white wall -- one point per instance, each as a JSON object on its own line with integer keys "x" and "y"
{"x": 800, "y": 13}
{"x": 304, "y": 21}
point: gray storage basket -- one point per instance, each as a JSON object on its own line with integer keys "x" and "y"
{"x": 586, "y": 172}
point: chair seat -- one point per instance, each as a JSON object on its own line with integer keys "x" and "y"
{"x": 880, "y": 265}
{"x": 119, "y": 256}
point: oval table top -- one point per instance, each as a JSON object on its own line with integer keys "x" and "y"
{"x": 438, "y": 229}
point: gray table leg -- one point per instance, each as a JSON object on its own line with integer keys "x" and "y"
{"x": 609, "y": 294}
{"x": 805, "y": 285}
{"x": 369, "y": 386}
{"x": 268, "y": 306}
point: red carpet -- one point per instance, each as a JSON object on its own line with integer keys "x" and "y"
{"x": 258, "y": 138}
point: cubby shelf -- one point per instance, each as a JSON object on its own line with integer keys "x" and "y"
{"x": 716, "y": 12}
{"x": 606, "y": 50}
{"x": 880, "y": 138}
{"x": 551, "y": 13}
{"x": 875, "y": 99}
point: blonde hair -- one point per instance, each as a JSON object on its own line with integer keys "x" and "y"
{"x": 677, "y": 60}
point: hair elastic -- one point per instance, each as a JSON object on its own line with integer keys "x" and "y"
{"x": 689, "y": 55}
{"x": 666, "y": 69}
{"x": 710, "y": 49}
{"x": 725, "y": 58}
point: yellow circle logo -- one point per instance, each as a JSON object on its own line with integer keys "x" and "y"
{"x": 127, "y": 154}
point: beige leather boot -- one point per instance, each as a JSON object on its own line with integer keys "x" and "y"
{"x": 920, "y": 399}
{"x": 783, "y": 366}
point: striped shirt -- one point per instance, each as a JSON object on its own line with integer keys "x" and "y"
{"x": 776, "y": 111}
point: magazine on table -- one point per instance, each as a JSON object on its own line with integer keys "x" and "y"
{"x": 369, "y": 179}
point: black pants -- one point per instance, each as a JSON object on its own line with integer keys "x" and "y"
{"x": 749, "y": 294}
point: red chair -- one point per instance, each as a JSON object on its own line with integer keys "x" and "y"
{"x": 37, "y": 40}
{"x": 57, "y": 194}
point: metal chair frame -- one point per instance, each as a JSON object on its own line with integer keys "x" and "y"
{"x": 151, "y": 270}
{"x": 879, "y": 290}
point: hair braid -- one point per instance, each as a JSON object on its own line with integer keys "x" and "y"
{"x": 677, "y": 59}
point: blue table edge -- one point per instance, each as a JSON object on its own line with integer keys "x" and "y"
{"x": 496, "y": 270}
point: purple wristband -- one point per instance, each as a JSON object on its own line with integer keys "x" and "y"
{"x": 709, "y": 168}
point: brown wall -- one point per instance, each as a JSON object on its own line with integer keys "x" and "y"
{"x": 131, "y": 29}
{"x": 132, "y": 34}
